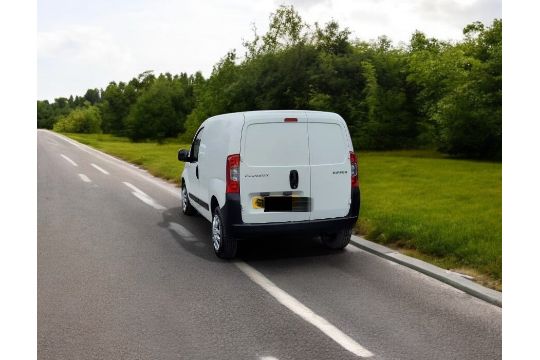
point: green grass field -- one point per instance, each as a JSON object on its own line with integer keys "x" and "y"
{"x": 449, "y": 210}
{"x": 445, "y": 211}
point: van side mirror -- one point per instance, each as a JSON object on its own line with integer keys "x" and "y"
{"x": 183, "y": 155}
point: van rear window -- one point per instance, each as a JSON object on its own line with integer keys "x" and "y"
{"x": 276, "y": 144}
{"x": 327, "y": 144}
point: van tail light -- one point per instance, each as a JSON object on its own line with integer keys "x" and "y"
{"x": 290, "y": 120}
{"x": 233, "y": 173}
{"x": 354, "y": 170}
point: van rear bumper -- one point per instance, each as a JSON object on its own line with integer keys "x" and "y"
{"x": 310, "y": 227}
{"x": 231, "y": 212}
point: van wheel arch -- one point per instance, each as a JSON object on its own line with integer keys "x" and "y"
{"x": 187, "y": 208}
{"x": 213, "y": 203}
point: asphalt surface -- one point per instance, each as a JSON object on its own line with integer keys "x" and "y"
{"x": 122, "y": 274}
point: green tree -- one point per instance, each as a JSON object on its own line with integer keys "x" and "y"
{"x": 92, "y": 96}
{"x": 115, "y": 108}
{"x": 286, "y": 29}
{"x": 45, "y": 118}
{"x": 429, "y": 93}
{"x": 460, "y": 91}
{"x": 160, "y": 111}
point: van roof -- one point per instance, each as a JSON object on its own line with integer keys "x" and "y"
{"x": 306, "y": 112}
{"x": 252, "y": 114}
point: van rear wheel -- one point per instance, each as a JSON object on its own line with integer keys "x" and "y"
{"x": 224, "y": 244}
{"x": 337, "y": 240}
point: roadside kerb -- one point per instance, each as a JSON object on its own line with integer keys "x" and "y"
{"x": 451, "y": 278}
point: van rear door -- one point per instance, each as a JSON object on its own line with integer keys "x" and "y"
{"x": 330, "y": 166}
{"x": 274, "y": 167}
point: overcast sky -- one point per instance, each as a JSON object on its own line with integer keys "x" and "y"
{"x": 87, "y": 44}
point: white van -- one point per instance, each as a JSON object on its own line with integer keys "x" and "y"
{"x": 287, "y": 171}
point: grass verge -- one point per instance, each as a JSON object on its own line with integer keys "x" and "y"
{"x": 444, "y": 211}
{"x": 159, "y": 159}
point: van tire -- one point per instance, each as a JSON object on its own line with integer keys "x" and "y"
{"x": 187, "y": 208}
{"x": 337, "y": 241}
{"x": 227, "y": 244}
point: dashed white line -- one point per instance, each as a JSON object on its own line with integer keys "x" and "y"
{"x": 85, "y": 178}
{"x": 69, "y": 160}
{"x": 182, "y": 231}
{"x": 148, "y": 200}
{"x": 145, "y": 198}
{"x": 117, "y": 162}
{"x": 304, "y": 312}
{"x": 100, "y": 169}
{"x": 134, "y": 188}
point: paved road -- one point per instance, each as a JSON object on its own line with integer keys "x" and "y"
{"x": 123, "y": 275}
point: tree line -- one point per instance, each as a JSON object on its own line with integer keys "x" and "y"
{"x": 428, "y": 93}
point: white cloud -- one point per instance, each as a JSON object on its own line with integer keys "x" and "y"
{"x": 88, "y": 46}
{"x": 71, "y": 61}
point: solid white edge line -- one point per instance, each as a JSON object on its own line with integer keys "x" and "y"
{"x": 100, "y": 169}
{"x": 85, "y": 178}
{"x": 69, "y": 160}
{"x": 304, "y": 312}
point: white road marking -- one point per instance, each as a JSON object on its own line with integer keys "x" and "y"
{"x": 66, "y": 139}
{"x": 85, "y": 178}
{"x": 352, "y": 248}
{"x": 120, "y": 163}
{"x": 268, "y": 358}
{"x": 304, "y": 312}
{"x": 69, "y": 160}
{"x": 145, "y": 198}
{"x": 134, "y": 188}
{"x": 100, "y": 169}
{"x": 182, "y": 231}
{"x": 148, "y": 201}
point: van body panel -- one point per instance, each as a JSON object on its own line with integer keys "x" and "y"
{"x": 216, "y": 188}
{"x": 330, "y": 166}
{"x": 220, "y": 137}
{"x": 191, "y": 179}
{"x": 271, "y": 150}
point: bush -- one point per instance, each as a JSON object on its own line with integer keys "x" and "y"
{"x": 81, "y": 120}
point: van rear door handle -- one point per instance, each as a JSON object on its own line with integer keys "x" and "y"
{"x": 197, "y": 171}
{"x": 293, "y": 179}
